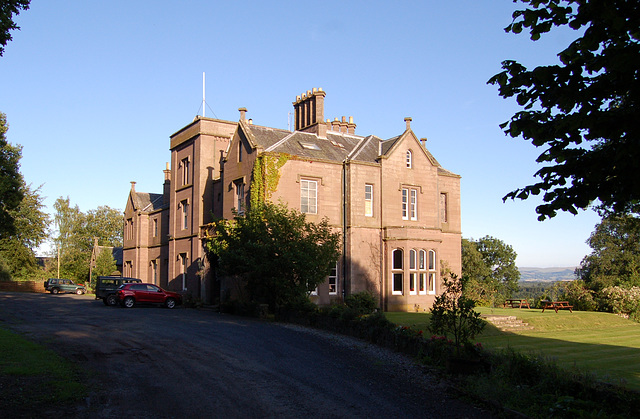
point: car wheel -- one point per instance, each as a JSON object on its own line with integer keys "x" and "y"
{"x": 170, "y": 303}
{"x": 55, "y": 291}
{"x": 111, "y": 300}
{"x": 79, "y": 291}
{"x": 128, "y": 302}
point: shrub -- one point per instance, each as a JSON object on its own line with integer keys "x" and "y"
{"x": 453, "y": 314}
{"x": 619, "y": 300}
{"x": 579, "y": 296}
{"x": 362, "y": 302}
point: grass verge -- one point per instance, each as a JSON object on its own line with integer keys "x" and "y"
{"x": 33, "y": 378}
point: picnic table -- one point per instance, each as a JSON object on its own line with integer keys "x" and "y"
{"x": 516, "y": 302}
{"x": 556, "y": 305}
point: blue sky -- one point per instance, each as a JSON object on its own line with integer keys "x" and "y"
{"x": 93, "y": 90}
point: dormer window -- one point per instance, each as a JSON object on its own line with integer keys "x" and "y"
{"x": 408, "y": 159}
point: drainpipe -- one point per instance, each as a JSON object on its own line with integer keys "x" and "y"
{"x": 344, "y": 229}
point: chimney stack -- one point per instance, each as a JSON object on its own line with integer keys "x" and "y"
{"x": 407, "y": 120}
{"x": 243, "y": 111}
{"x": 166, "y": 189}
{"x": 133, "y": 186}
{"x": 309, "y": 110}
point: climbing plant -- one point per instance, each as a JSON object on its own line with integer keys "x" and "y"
{"x": 265, "y": 176}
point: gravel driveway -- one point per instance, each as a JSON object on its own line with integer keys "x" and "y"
{"x": 158, "y": 363}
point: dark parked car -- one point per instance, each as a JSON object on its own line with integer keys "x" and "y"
{"x": 57, "y": 285}
{"x": 131, "y": 294}
{"x": 107, "y": 286}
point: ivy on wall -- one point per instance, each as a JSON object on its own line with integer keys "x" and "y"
{"x": 265, "y": 176}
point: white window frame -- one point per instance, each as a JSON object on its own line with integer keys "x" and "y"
{"x": 413, "y": 274}
{"x": 333, "y": 280}
{"x": 409, "y": 159}
{"x": 431, "y": 288}
{"x": 368, "y": 200}
{"x": 422, "y": 267}
{"x": 397, "y": 271}
{"x": 308, "y": 196}
{"x": 409, "y": 204}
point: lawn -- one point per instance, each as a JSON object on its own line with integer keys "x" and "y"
{"x": 33, "y": 378}
{"x": 602, "y": 343}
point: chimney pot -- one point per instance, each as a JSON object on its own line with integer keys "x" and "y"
{"x": 243, "y": 111}
{"x": 407, "y": 120}
{"x": 133, "y": 186}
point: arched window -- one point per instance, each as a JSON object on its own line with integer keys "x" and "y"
{"x": 397, "y": 265}
{"x": 422, "y": 267}
{"x": 432, "y": 272}
{"x": 409, "y": 159}
{"x": 413, "y": 274}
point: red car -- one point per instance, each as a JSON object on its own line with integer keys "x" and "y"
{"x": 131, "y": 294}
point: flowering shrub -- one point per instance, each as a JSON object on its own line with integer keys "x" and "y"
{"x": 624, "y": 301}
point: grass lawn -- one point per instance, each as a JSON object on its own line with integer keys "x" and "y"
{"x": 32, "y": 377}
{"x": 602, "y": 343}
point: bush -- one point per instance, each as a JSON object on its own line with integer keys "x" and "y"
{"x": 362, "y": 302}
{"x": 621, "y": 301}
{"x": 579, "y": 296}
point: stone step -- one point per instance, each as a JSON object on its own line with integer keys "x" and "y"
{"x": 507, "y": 323}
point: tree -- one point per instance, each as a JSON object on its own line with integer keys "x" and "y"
{"x": 615, "y": 259}
{"x": 280, "y": 256}
{"x": 489, "y": 264}
{"x": 7, "y": 9}
{"x": 584, "y": 111}
{"x": 32, "y": 224}
{"x": 76, "y": 232}
{"x": 105, "y": 264}
{"x": 453, "y": 313}
{"x": 10, "y": 180}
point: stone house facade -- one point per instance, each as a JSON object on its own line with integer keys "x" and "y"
{"x": 396, "y": 208}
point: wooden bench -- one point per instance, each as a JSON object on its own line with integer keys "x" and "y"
{"x": 556, "y": 305}
{"x": 516, "y": 302}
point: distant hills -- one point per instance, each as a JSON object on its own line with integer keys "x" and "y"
{"x": 547, "y": 274}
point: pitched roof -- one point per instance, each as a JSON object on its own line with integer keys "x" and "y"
{"x": 147, "y": 202}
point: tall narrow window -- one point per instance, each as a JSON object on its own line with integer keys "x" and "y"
{"x": 413, "y": 274}
{"x": 154, "y": 271}
{"x": 368, "y": 200}
{"x": 185, "y": 214}
{"x": 422, "y": 267}
{"x": 185, "y": 171}
{"x": 432, "y": 272}
{"x": 308, "y": 196}
{"x": 409, "y": 204}
{"x": 239, "y": 186}
{"x": 443, "y": 208}
{"x": 239, "y": 151}
{"x": 183, "y": 270}
{"x": 405, "y": 204}
{"x": 333, "y": 280}
{"x": 155, "y": 227}
{"x": 397, "y": 267}
{"x": 413, "y": 208}
{"x": 409, "y": 158}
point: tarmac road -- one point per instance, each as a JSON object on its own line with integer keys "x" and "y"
{"x": 183, "y": 363}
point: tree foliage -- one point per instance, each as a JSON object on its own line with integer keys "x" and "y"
{"x": 583, "y": 111}
{"x": 615, "y": 256}
{"x": 105, "y": 264}
{"x": 8, "y": 8}
{"x": 32, "y": 224}
{"x": 279, "y": 255}
{"x": 76, "y": 233}
{"x": 10, "y": 180}
{"x": 489, "y": 264}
